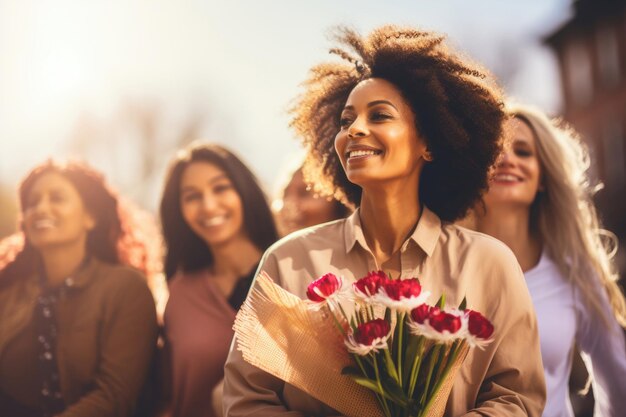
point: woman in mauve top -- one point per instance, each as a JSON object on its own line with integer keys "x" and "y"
{"x": 216, "y": 224}
{"x": 540, "y": 204}
{"x": 405, "y": 131}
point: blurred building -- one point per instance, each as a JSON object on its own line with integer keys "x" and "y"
{"x": 591, "y": 51}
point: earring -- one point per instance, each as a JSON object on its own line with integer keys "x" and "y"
{"x": 428, "y": 157}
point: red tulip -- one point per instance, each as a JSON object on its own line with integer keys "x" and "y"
{"x": 370, "y": 284}
{"x": 368, "y": 333}
{"x": 442, "y": 321}
{"x": 402, "y": 288}
{"x": 422, "y": 312}
{"x": 323, "y": 287}
{"x": 478, "y": 326}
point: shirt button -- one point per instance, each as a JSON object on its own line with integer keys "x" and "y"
{"x": 69, "y": 282}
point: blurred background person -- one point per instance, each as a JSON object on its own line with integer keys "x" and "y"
{"x": 77, "y": 320}
{"x": 216, "y": 223}
{"x": 297, "y": 206}
{"x": 539, "y": 203}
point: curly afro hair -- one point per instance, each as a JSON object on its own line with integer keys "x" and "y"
{"x": 458, "y": 111}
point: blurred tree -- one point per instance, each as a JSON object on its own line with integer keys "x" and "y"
{"x": 134, "y": 145}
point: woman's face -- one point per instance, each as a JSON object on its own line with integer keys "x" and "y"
{"x": 301, "y": 208}
{"x": 210, "y": 204}
{"x": 517, "y": 176}
{"x": 378, "y": 140}
{"x": 55, "y": 214}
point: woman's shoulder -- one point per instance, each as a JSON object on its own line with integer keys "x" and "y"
{"x": 475, "y": 243}
{"x": 120, "y": 270}
{"x": 119, "y": 276}
{"x": 321, "y": 236}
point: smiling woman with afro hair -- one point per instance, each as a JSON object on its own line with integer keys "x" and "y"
{"x": 406, "y": 131}
{"x": 458, "y": 111}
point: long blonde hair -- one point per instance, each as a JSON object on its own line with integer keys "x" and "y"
{"x": 564, "y": 214}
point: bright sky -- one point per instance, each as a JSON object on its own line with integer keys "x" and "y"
{"x": 238, "y": 62}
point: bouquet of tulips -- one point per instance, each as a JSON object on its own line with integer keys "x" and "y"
{"x": 346, "y": 342}
{"x": 405, "y": 351}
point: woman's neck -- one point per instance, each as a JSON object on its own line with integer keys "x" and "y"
{"x": 235, "y": 259}
{"x": 61, "y": 262}
{"x": 388, "y": 216}
{"x": 512, "y": 227}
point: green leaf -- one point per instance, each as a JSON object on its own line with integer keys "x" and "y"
{"x": 396, "y": 337}
{"x": 388, "y": 315}
{"x": 441, "y": 303}
{"x": 351, "y": 371}
{"x": 373, "y": 385}
{"x": 409, "y": 357}
{"x": 390, "y": 367}
{"x": 394, "y": 391}
{"x": 463, "y": 304}
{"x": 369, "y": 384}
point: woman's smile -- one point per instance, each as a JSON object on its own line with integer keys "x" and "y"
{"x": 360, "y": 153}
{"x": 378, "y": 140}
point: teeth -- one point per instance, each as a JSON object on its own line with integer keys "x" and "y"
{"x": 44, "y": 224}
{"x": 214, "y": 221}
{"x": 505, "y": 177}
{"x": 353, "y": 154}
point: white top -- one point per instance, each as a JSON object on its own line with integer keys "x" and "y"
{"x": 564, "y": 320}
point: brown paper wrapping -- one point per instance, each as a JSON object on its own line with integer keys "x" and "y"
{"x": 278, "y": 333}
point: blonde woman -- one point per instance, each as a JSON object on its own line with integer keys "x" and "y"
{"x": 539, "y": 203}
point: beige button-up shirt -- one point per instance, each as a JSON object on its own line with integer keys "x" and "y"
{"x": 505, "y": 379}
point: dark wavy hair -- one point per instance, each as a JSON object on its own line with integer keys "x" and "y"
{"x": 122, "y": 233}
{"x": 458, "y": 110}
{"x": 184, "y": 249}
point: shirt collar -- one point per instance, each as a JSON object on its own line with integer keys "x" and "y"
{"x": 425, "y": 235}
{"x": 84, "y": 275}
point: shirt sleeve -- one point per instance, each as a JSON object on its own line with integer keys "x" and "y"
{"x": 248, "y": 390}
{"x": 603, "y": 350}
{"x": 514, "y": 384}
{"x": 129, "y": 331}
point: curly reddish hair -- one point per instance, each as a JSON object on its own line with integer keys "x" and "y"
{"x": 123, "y": 234}
{"x": 458, "y": 111}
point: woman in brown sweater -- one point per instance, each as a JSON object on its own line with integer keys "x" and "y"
{"x": 77, "y": 321}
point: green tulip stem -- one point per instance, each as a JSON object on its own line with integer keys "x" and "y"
{"x": 453, "y": 355}
{"x": 400, "y": 317}
{"x": 380, "y": 387}
{"x": 339, "y": 326}
{"x": 417, "y": 363}
{"x": 343, "y": 312}
{"x": 433, "y": 359}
